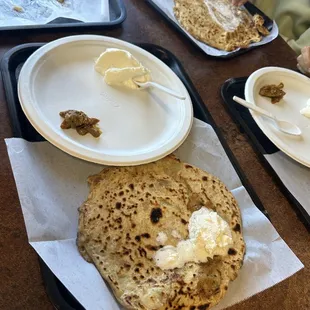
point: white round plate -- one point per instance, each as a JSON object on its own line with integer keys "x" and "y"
{"x": 138, "y": 126}
{"x": 297, "y": 88}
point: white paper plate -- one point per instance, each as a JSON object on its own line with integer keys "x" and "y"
{"x": 297, "y": 88}
{"x": 138, "y": 126}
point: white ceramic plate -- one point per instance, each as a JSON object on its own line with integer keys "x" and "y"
{"x": 138, "y": 126}
{"x": 297, "y": 88}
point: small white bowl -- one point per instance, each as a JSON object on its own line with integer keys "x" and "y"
{"x": 297, "y": 88}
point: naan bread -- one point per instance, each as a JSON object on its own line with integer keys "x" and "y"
{"x": 219, "y": 24}
{"x": 128, "y": 207}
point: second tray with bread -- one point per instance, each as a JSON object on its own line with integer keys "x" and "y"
{"x": 164, "y": 8}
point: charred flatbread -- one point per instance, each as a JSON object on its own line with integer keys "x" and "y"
{"x": 129, "y": 207}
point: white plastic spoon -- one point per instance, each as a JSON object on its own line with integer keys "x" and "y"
{"x": 283, "y": 126}
{"x": 160, "y": 87}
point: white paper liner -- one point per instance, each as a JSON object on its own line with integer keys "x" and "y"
{"x": 38, "y": 12}
{"x": 52, "y": 185}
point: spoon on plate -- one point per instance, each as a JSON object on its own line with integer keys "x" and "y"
{"x": 160, "y": 87}
{"x": 283, "y": 126}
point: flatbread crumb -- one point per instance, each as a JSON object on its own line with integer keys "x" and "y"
{"x": 18, "y": 9}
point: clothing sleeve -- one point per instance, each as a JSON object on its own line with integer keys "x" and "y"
{"x": 302, "y": 41}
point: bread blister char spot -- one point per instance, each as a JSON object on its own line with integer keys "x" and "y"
{"x": 156, "y": 215}
{"x": 232, "y": 251}
{"x": 237, "y": 227}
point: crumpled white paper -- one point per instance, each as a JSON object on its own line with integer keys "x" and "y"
{"x": 167, "y": 7}
{"x": 38, "y": 12}
{"x": 52, "y": 185}
{"x": 294, "y": 176}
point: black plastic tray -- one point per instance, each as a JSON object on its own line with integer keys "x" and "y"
{"x": 249, "y": 6}
{"x": 10, "y": 68}
{"x": 262, "y": 145}
{"x": 117, "y": 16}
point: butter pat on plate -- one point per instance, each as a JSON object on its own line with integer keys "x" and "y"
{"x": 121, "y": 68}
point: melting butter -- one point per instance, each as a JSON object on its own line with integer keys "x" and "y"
{"x": 224, "y": 13}
{"x": 209, "y": 235}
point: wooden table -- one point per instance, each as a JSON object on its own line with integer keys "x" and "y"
{"x": 21, "y": 285}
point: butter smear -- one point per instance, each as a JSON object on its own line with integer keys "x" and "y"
{"x": 209, "y": 235}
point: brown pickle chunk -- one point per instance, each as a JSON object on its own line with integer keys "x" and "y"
{"x": 275, "y": 92}
{"x": 79, "y": 121}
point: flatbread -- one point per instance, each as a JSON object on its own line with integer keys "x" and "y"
{"x": 119, "y": 224}
{"x": 219, "y": 24}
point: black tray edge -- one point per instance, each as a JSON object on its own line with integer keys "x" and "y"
{"x": 259, "y": 150}
{"x": 73, "y": 25}
{"x": 9, "y": 90}
{"x": 249, "y": 6}
{"x": 50, "y": 280}
{"x": 52, "y": 290}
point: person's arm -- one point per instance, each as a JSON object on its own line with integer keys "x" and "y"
{"x": 304, "y": 60}
{"x": 298, "y": 44}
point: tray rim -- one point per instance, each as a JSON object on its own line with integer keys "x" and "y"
{"x": 50, "y": 280}
{"x": 73, "y": 25}
{"x": 259, "y": 150}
